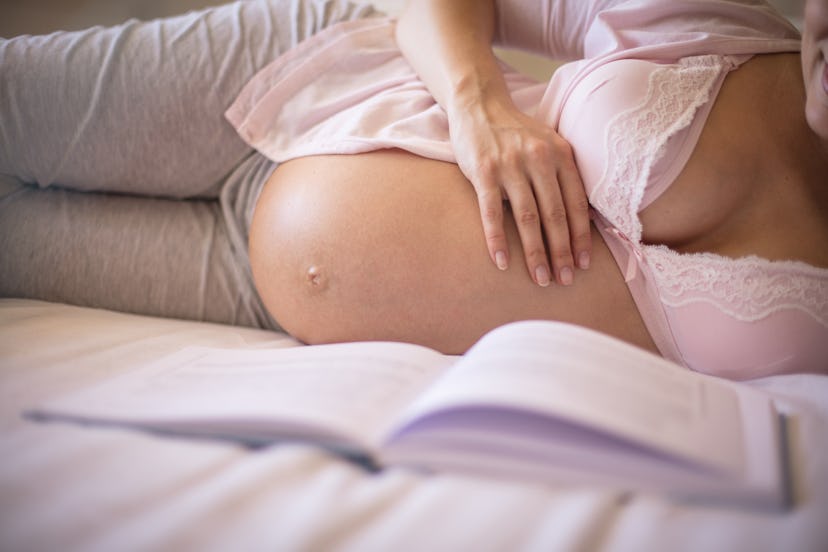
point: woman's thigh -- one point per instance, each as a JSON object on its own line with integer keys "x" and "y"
{"x": 139, "y": 108}
{"x": 389, "y": 245}
{"x": 152, "y": 256}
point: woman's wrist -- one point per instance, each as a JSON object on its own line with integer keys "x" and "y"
{"x": 477, "y": 99}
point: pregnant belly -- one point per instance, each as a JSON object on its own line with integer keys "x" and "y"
{"x": 389, "y": 245}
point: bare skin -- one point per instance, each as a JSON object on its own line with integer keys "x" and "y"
{"x": 756, "y": 182}
{"x": 388, "y": 245}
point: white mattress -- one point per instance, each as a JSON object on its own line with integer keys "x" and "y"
{"x": 66, "y": 487}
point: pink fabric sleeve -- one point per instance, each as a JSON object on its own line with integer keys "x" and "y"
{"x": 576, "y": 29}
{"x": 548, "y": 27}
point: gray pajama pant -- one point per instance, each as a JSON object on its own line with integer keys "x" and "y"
{"x": 122, "y": 186}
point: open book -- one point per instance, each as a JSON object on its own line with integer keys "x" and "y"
{"x": 539, "y": 401}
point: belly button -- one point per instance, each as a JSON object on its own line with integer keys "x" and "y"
{"x": 315, "y": 278}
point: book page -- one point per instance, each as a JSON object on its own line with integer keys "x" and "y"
{"x": 353, "y": 390}
{"x": 584, "y": 377}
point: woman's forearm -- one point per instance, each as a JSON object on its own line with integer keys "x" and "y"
{"x": 503, "y": 152}
{"x": 449, "y": 44}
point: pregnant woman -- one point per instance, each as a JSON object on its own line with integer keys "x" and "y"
{"x": 667, "y": 186}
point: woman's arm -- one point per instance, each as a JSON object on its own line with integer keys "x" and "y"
{"x": 503, "y": 152}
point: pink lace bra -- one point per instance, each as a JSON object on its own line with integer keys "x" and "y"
{"x": 744, "y": 317}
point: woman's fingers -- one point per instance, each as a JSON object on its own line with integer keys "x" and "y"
{"x": 495, "y": 182}
{"x": 490, "y": 200}
{"x": 577, "y": 213}
{"x": 527, "y": 216}
{"x": 555, "y": 227}
{"x": 507, "y": 155}
{"x": 550, "y": 209}
{"x": 563, "y": 208}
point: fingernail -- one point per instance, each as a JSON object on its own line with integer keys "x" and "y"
{"x": 542, "y": 276}
{"x": 500, "y": 260}
{"x": 566, "y": 276}
{"x": 583, "y": 260}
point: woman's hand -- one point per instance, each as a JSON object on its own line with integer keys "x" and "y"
{"x": 508, "y": 155}
{"x": 504, "y": 153}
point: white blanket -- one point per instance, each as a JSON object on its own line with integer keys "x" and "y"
{"x": 67, "y": 487}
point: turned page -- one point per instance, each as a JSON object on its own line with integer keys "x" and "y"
{"x": 600, "y": 382}
{"x": 346, "y": 392}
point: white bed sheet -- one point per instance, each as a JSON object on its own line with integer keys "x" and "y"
{"x": 67, "y": 487}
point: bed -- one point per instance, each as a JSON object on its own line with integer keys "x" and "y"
{"x": 69, "y": 487}
{"x": 76, "y": 488}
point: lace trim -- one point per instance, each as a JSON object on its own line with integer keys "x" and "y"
{"x": 748, "y": 288}
{"x": 637, "y": 138}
